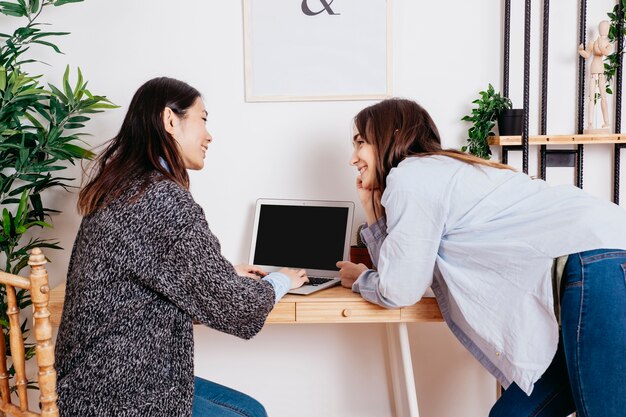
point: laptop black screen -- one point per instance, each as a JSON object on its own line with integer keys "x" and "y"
{"x": 301, "y": 236}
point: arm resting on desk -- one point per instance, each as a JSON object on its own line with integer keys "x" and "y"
{"x": 333, "y": 305}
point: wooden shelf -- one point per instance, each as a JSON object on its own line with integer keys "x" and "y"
{"x": 558, "y": 139}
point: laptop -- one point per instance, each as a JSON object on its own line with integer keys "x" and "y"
{"x": 307, "y": 234}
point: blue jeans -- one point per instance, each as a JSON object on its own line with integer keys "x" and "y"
{"x": 588, "y": 372}
{"x": 214, "y": 400}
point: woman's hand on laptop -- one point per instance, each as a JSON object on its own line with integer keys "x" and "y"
{"x": 349, "y": 272}
{"x": 297, "y": 277}
{"x": 250, "y": 271}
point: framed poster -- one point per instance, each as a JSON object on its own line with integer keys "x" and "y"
{"x": 317, "y": 49}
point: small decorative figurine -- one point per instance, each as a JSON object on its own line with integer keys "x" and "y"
{"x": 600, "y": 48}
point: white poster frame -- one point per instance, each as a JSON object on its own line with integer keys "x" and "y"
{"x": 336, "y": 50}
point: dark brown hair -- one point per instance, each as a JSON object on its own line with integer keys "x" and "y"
{"x": 399, "y": 128}
{"x": 141, "y": 146}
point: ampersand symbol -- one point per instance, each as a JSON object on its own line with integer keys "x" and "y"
{"x": 307, "y": 10}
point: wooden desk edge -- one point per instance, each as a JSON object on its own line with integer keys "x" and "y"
{"x": 285, "y": 311}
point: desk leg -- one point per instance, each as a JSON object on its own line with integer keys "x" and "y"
{"x": 401, "y": 367}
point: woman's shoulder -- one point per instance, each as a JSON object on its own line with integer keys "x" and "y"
{"x": 162, "y": 190}
{"x": 429, "y": 163}
{"x": 158, "y": 197}
{"x": 423, "y": 171}
{"x": 160, "y": 187}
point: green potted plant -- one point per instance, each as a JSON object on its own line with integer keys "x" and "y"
{"x": 359, "y": 253}
{"x": 491, "y": 106}
{"x": 39, "y": 136}
{"x": 611, "y": 62}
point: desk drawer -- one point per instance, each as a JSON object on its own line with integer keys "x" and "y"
{"x": 344, "y": 312}
{"x": 282, "y": 313}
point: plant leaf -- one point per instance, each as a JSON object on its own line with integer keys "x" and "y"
{"x": 62, "y": 2}
{"x": 51, "y": 45}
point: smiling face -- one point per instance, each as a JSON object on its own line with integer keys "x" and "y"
{"x": 191, "y": 134}
{"x": 364, "y": 159}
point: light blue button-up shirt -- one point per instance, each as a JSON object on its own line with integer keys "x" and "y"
{"x": 485, "y": 239}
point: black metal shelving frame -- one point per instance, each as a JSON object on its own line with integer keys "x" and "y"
{"x": 559, "y": 157}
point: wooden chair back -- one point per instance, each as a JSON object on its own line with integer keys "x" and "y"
{"x": 37, "y": 284}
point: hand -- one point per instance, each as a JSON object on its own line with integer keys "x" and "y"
{"x": 297, "y": 277}
{"x": 250, "y": 271}
{"x": 370, "y": 200}
{"x": 584, "y": 52}
{"x": 349, "y": 272}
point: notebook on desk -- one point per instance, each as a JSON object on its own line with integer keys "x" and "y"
{"x": 307, "y": 234}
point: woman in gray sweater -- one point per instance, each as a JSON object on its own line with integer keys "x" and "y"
{"x": 145, "y": 265}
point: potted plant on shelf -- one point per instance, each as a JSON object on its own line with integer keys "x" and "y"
{"x": 39, "y": 136}
{"x": 492, "y": 106}
{"x": 359, "y": 253}
{"x": 612, "y": 61}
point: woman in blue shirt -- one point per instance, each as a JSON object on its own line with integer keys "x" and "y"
{"x": 498, "y": 249}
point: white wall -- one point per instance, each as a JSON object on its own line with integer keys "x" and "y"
{"x": 444, "y": 53}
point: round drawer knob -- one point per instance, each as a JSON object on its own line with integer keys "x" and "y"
{"x": 346, "y": 312}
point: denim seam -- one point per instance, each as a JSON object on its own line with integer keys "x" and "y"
{"x": 580, "y": 315}
{"x": 603, "y": 255}
{"x": 228, "y": 406}
{"x": 582, "y": 299}
{"x": 545, "y": 403}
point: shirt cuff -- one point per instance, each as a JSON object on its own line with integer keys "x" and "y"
{"x": 376, "y": 231}
{"x": 367, "y": 286}
{"x": 356, "y": 284}
{"x": 280, "y": 282}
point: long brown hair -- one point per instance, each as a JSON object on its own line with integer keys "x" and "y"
{"x": 141, "y": 146}
{"x": 399, "y": 128}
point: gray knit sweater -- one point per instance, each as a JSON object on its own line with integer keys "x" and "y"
{"x": 141, "y": 270}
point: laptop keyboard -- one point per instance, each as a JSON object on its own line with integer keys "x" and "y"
{"x": 314, "y": 281}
